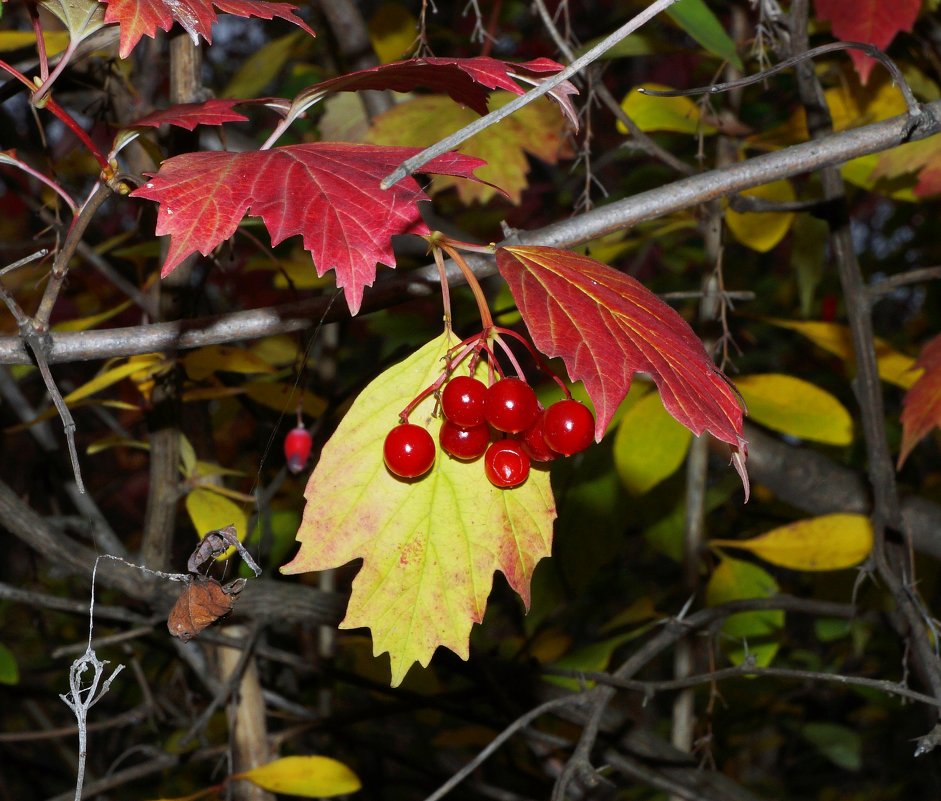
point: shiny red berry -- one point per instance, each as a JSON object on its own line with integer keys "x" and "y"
{"x": 462, "y": 401}
{"x": 569, "y": 427}
{"x": 533, "y": 441}
{"x": 506, "y": 463}
{"x": 297, "y": 445}
{"x": 510, "y": 405}
{"x": 409, "y": 451}
{"x": 463, "y": 443}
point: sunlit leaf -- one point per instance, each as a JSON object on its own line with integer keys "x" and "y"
{"x": 429, "y": 546}
{"x": 735, "y": 580}
{"x": 55, "y": 41}
{"x": 393, "y": 32}
{"x": 649, "y": 445}
{"x": 829, "y": 542}
{"x": 209, "y": 510}
{"x": 796, "y": 407}
{"x": 304, "y": 776}
{"x": 85, "y": 323}
{"x": 137, "y": 367}
{"x": 678, "y": 114}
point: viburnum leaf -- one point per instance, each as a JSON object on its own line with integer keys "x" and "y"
{"x": 189, "y": 115}
{"x": 429, "y": 546}
{"x": 606, "y": 326}
{"x": 80, "y": 17}
{"x": 464, "y": 80}
{"x": 921, "y": 406}
{"x": 326, "y": 192}
{"x": 536, "y": 129}
{"x": 873, "y": 21}
{"x": 138, "y": 18}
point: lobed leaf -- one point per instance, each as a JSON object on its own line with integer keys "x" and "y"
{"x": 606, "y": 326}
{"x": 138, "y": 18}
{"x": 326, "y": 192}
{"x": 429, "y": 546}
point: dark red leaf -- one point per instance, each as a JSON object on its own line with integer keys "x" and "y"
{"x": 189, "y": 115}
{"x": 326, "y": 192}
{"x": 606, "y": 326}
{"x": 138, "y": 18}
{"x": 921, "y": 406}
{"x": 873, "y": 21}
{"x": 465, "y": 80}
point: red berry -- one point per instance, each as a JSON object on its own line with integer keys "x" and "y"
{"x": 409, "y": 451}
{"x": 462, "y": 401}
{"x": 534, "y": 441}
{"x": 297, "y": 445}
{"x": 506, "y": 464}
{"x": 510, "y": 405}
{"x": 569, "y": 427}
{"x": 463, "y": 443}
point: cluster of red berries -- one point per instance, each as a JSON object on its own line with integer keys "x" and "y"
{"x": 525, "y": 432}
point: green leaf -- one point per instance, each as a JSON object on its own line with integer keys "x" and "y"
{"x": 304, "y": 776}
{"x": 808, "y": 259}
{"x": 9, "y": 670}
{"x": 80, "y": 17}
{"x": 429, "y": 546}
{"x": 263, "y": 66}
{"x": 828, "y": 542}
{"x": 649, "y": 445}
{"x": 735, "y": 580}
{"x": 796, "y": 407}
{"x": 840, "y": 744}
{"x": 694, "y": 17}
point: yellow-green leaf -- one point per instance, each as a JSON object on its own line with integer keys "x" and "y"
{"x": 894, "y": 367}
{"x": 649, "y": 445}
{"x": 796, "y": 407}
{"x": 210, "y": 510}
{"x": 762, "y": 231}
{"x": 263, "y": 66}
{"x": 829, "y": 542}
{"x": 429, "y": 546}
{"x": 678, "y": 114}
{"x": 84, "y": 323}
{"x": 138, "y": 367}
{"x": 9, "y": 670}
{"x": 393, "y": 32}
{"x": 223, "y": 358}
{"x": 305, "y": 776}
{"x": 752, "y": 634}
{"x": 284, "y": 397}
{"x": 55, "y": 41}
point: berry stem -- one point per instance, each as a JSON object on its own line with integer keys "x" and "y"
{"x": 486, "y": 321}
{"x": 537, "y": 357}
{"x": 509, "y": 353}
{"x": 445, "y": 288}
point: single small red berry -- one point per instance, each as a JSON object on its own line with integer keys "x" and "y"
{"x": 297, "y": 445}
{"x": 409, "y": 451}
{"x": 533, "y": 441}
{"x": 462, "y": 401}
{"x": 510, "y": 405}
{"x": 506, "y": 463}
{"x": 463, "y": 443}
{"x": 568, "y": 427}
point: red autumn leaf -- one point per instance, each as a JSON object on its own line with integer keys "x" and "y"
{"x": 465, "y": 80}
{"x": 138, "y": 18}
{"x": 326, "y": 192}
{"x": 189, "y": 115}
{"x": 606, "y": 326}
{"x": 921, "y": 406}
{"x": 875, "y": 22}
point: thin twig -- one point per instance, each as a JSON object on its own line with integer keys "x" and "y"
{"x": 884, "y": 286}
{"x": 412, "y": 164}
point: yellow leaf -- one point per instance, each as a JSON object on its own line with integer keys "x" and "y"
{"x": 284, "y": 397}
{"x": 137, "y": 367}
{"x": 796, "y": 407}
{"x": 735, "y": 580}
{"x": 84, "y": 323}
{"x": 537, "y": 129}
{"x": 115, "y": 441}
{"x": 678, "y": 114}
{"x": 649, "y": 445}
{"x": 429, "y": 546}
{"x": 223, "y": 358}
{"x": 55, "y": 41}
{"x": 209, "y": 510}
{"x": 894, "y": 367}
{"x": 263, "y": 66}
{"x": 305, "y": 776}
{"x": 276, "y": 350}
{"x": 762, "y": 231}
{"x": 392, "y": 31}
{"x": 829, "y": 542}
